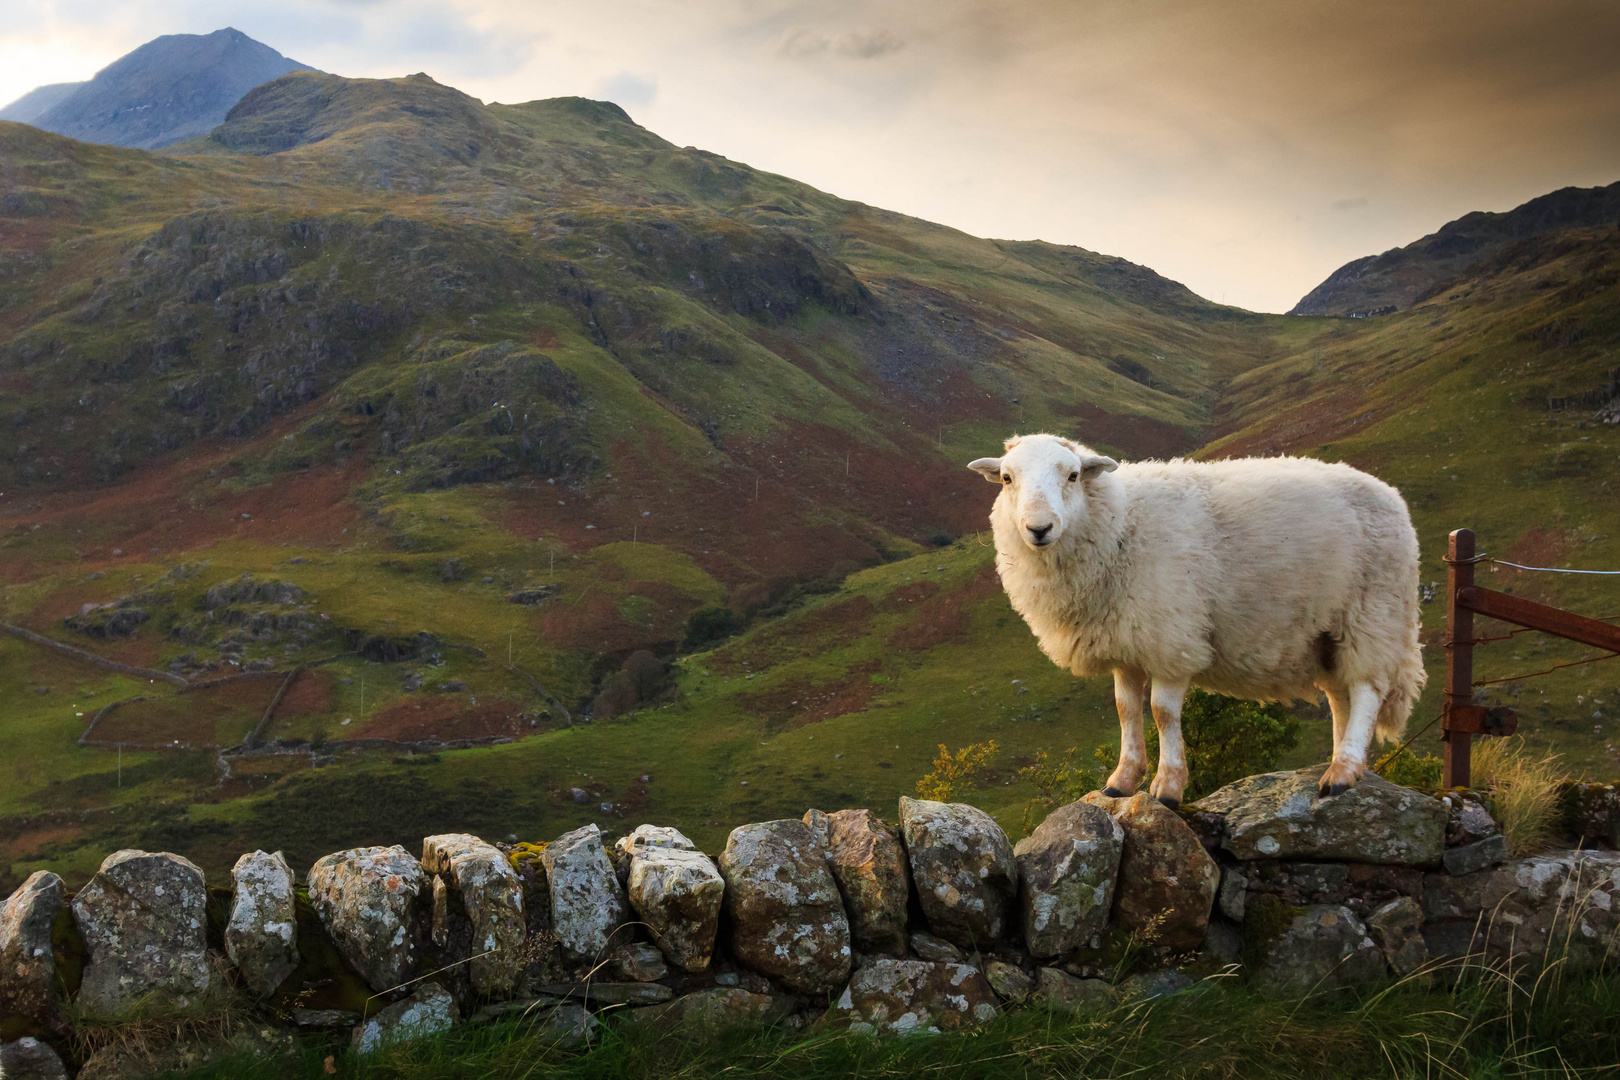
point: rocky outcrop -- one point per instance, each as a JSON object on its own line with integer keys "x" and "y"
{"x": 907, "y": 996}
{"x": 143, "y": 920}
{"x": 262, "y": 935}
{"x": 677, "y": 892}
{"x": 481, "y": 886}
{"x": 1280, "y": 816}
{"x": 431, "y": 1010}
{"x": 867, "y": 860}
{"x": 587, "y": 902}
{"x": 787, "y": 916}
{"x": 1167, "y": 881}
{"x": 371, "y": 902}
{"x": 963, "y": 865}
{"x": 1066, "y": 873}
{"x": 1292, "y": 950}
{"x": 27, "y": 963}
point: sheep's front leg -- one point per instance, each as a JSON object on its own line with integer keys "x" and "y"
{"x": 1171, "y": 779}
{"x": 1350, "y": 756}
{"x": 1130, "y": 688}
{"x": 1339, "y": 704}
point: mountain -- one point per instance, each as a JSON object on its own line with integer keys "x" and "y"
{"x": 26, "y": 109}
{"x": 1400, "y": 276}
{"x": 560, "y": 459}
{"x": 172, "y": 88}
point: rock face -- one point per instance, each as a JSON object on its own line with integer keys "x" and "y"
{"x": 905, "y": 996}
{"x": 370, "y": 900}
{"x": 1397, "y": 928}
{"x": 677, "y": 892}
{"x": 429, "y": 1011}
{"x": 963, "y": 865}
{"x": 587, "y": 902}
{"x": 787, "y": 916}
{"x": 144, "y": 926}
{"x": 1279, "y": 816}
{"x": 1167, "y": 881}
{"x": 30, "y": 1059}
{"x": 1564, "y": 905}
{"x": 27, "y": 964}
{"x": 1296, "y": 951}
{"x": 262, "y": 936}
{"x": 484, "y": 885}
{"x": 1066, "y": 873}
{"x": 869, "y": 864}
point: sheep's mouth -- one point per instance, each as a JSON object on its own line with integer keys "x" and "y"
{"x": 1034, "y": 543}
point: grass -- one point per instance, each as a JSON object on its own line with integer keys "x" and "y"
{"x": 1484, "y": 1026}
{"x": 1525, "y": 792}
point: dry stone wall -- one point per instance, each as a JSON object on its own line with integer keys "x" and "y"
{"x": 929, "y": 923}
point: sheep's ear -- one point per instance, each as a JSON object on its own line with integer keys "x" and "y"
{"x": 987, "y": 467}
{"x": 1096, "y": 465}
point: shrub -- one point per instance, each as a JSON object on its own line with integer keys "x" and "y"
{"x": 954, "y": 772}
{"x": 1058, "y": 783}
{"x": 707, "y": 625}
{"x": 1524, "y": 792}
{"x": 1228, "y": 739}
{"x": 1403, "y": 766}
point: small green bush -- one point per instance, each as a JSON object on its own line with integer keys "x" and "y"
{"x": 708, "y": 625}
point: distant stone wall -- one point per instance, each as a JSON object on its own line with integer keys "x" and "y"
{"x": 932, "y": 923}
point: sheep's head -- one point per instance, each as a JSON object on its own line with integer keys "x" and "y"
{"x": 1047, "y": 480}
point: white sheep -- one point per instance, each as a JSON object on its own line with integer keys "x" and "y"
{"x": 1263, "y": 578}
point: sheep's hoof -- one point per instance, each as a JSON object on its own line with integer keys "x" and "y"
{"x": 1169, "y": 802}
{"x": 1114, "y": 793}
{"x": 1330, "y": 790}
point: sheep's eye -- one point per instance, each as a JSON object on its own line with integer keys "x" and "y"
{"x": 1073, "y": 477}
{"x": 1006, "y": 478}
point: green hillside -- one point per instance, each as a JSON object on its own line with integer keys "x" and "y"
{"x": 518, "y": 423}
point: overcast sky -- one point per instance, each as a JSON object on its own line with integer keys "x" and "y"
{"x": 1246, "y": 149}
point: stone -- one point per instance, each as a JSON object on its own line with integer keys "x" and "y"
{"x": 638, "y": 961}
{"x": 1467, "y": 820}
{"x": 481, "y": 881}
{"x": 429, "y": 1011}
{"x": 653, "y": 836}
{"x": 1397, "y": 928}
{"x": 144, "y": 924}
{"x": 1154, "y": 984}
{"x": 910, "y": 996}
{"x": 1476, "y": 856}
{"x": 962, "y": 862}
{"x": 262, "y": 935}
{"x": 567, "y": 1026}
{"x": 27, "y": 962}
{"x": 588, "y": 905}
{"x": 1223, "y": 942}
{"x": 325, "y": 1018}
{"x": 936, "y": 949}
{"x": 1066, "y": 873}
{"x": 716, "y": 1010}
{"x": 787, "y": 915}
{"x": 1280, "y": 816}
{"x": 1233, "y": 895}
{"x": 1294, "y": 951}
{"x": 30, "y": 1059}
{"x": 678, "y": 894}
{"x": 371, "y": 902}
{"x": 1064, "y": 993}
{"x": 1359, "y": 886}
{"x": 1010, "y": 983}
{"x": 869, "y": 864}
{"x": 599, "y": 992}
{"x": 1562, "y": 906}
{"x": 1167, "y": 881}
{"x": 1592, "y": 813}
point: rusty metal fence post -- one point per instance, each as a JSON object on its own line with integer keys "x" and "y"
{"x": 1457, "y": 752}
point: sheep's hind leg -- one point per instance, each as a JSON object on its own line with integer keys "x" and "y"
{"x": 1171, "y": 779}
{"x": 1339, "y": 704}
{"x": 1130, "y": 687}
{"x": 1350, "y": 756}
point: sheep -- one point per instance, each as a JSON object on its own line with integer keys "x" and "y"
{"x": 1262, "y": 578}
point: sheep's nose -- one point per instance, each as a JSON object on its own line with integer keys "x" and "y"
{"x": 1039, "y": 532}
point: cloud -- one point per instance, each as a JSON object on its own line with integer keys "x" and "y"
{"x": 628, "y": 90}
{"x": 801, "y": 42}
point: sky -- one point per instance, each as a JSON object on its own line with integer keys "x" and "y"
{"x": 1246, "y": 149}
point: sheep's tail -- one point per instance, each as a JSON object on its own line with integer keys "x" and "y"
{"x": 1402, "y": 696}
